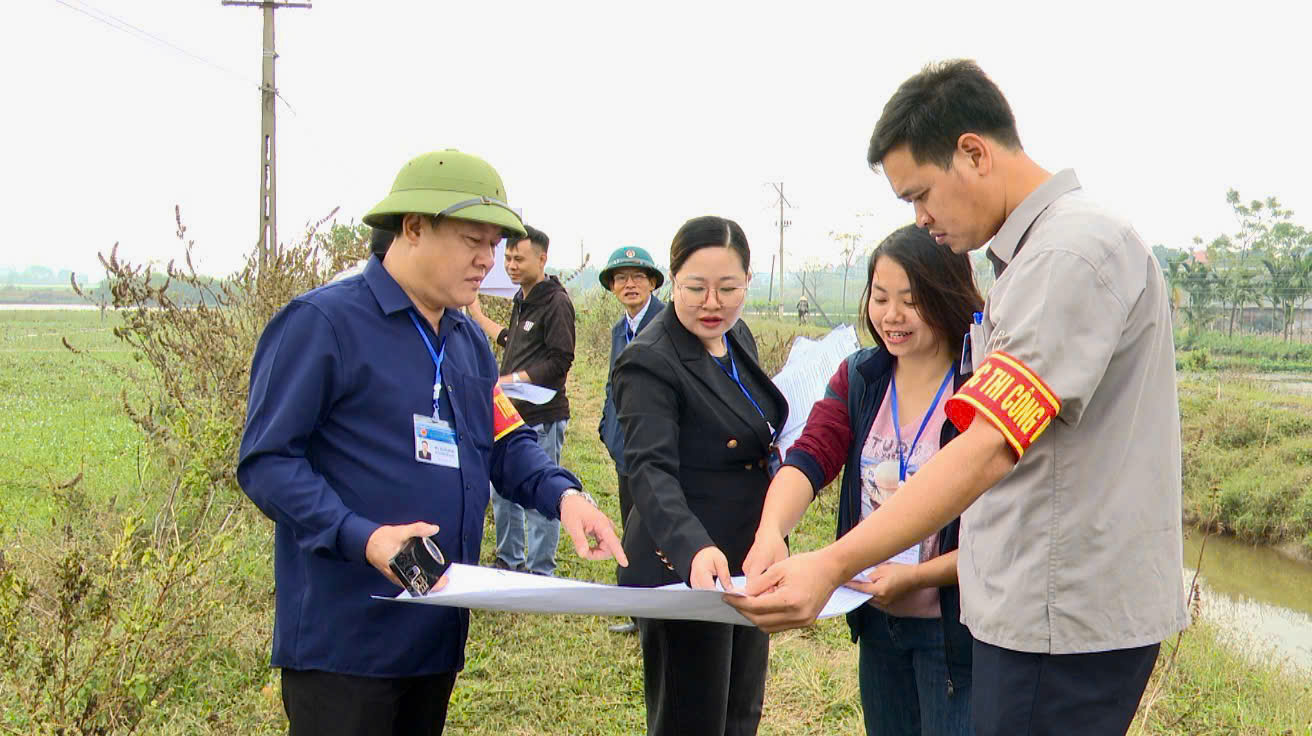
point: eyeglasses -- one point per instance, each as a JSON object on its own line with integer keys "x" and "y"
{"x": 727, "y": 296}
{"x": 636, "y": 277}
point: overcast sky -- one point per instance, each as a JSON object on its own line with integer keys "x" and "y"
{"x": 612, "y": 123}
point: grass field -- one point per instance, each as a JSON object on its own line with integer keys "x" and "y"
{"x": 524, "y": 674}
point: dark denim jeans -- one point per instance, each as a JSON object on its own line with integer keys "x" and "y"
{"x": 904, "y": 678}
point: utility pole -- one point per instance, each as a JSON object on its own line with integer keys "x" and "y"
{"x": 783, "y": 202}
{"x": 268, "y": 241}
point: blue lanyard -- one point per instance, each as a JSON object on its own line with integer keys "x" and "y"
{"x": 438, "y": 356}
{"x": 902, "y": 460}
{"x": 732, "y": 372}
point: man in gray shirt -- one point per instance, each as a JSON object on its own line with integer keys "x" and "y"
{"x": 1067, "y": 472}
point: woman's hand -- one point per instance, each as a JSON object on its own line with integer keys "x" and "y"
{"x": 889, "y": 582}
{"x": 768, "y": 549}
{"x": 708, "y": 565}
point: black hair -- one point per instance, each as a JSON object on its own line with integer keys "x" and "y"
{"x": 932, "y": 110}
{"x": 380, "y": 240}
{"x": 535, "y": 236}
{"x": 942, "y": 284}
{"x": 705, "y": 232}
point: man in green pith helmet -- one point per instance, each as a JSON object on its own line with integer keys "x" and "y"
{"x": 348, "y": 382}
{"x": 632, "y": 276}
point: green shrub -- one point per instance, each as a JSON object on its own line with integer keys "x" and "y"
{"x": 138, "y": 619}
{"x": 101, "y": 625}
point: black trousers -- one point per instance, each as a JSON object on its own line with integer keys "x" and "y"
{"x": 626, "y": 500}
{"x": 328, "y": 703}
{"x": 1026, "y": 694}
{"x": 703, "y": 679}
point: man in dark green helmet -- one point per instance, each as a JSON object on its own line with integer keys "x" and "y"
{"x": 374, "y": 417}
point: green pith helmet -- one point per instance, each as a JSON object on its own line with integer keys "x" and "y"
{"x": 447, "y": 183}
{"x": 631, "y": 256}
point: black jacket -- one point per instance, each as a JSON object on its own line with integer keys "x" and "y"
{"x": 609, "y": 427}
{"x": 695, "y": 448}
{"x": 869, "y": 373}
{"x": 540, "y": 341}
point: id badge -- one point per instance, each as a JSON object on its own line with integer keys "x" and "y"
{"x": 435, "y": 442}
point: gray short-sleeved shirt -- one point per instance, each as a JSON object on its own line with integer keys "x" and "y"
{"x": 1078, "y": 549}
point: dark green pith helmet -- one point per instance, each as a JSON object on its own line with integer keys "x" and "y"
{"x": 447, "y": 183}
{"x": 631, "y": 256}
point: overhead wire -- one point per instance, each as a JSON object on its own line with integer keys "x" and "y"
{"x": 119, "y": 24}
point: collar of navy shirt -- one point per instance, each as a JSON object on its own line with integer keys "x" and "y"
{"x": 698, "y": 360}
{"x": 392, "y": 298}
{"x": 1010, "y": 238}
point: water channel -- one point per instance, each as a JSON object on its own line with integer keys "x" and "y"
{"x": 1261, "y": 596}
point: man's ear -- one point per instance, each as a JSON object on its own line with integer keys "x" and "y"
{"x": 977, "y": 152}
{"x": 411, "y": 227}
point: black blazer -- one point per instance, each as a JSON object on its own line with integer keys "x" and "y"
{"x": 695, "y": 448}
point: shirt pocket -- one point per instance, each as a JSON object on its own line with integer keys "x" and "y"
{"x": 471, "y": 397}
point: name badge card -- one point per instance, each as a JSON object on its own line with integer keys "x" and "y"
{"x": 435, "y": 442}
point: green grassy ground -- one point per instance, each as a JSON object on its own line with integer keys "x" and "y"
{"x": 59, "y": 412}
{"x": 525, "y": 674}
{"x": 1248, "y": 459}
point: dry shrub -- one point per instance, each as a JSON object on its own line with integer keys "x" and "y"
{"x": 146, "y": 619}
{"x": 193, "y": 337}
{"x": 100, "y": 627}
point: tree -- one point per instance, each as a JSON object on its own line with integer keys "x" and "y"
{"x": 848, "y": 245}
{"x": 1289, "y": 267}
{"x": 1236, "y": 260}
{"x": 1199, "y": 283}
{"x": 344, "y": 242}
{"x": 1164, "y": 255}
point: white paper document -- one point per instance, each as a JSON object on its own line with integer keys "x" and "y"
{"x": 488, "y": 589}
{"x": 807, "y": 371}
{"x": 529, "y": 392}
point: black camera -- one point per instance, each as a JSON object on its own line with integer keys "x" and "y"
{"x": 418, "y": 564}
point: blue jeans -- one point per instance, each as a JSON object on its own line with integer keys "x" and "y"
{"x": 527, "y": 540}
{"x": 904, "y": 678}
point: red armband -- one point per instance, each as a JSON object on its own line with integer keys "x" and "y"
{"x": 505, "y": 417}
{"x": 1007, "y": 393}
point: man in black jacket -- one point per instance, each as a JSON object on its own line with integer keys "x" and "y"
{"x": 631, "y": 275}
{"x": 539, "y": 349}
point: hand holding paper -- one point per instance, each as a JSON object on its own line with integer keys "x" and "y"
{"x": 500, "y": 590}
{"x": 789, "y": 595}
{"x": 529, "y": 392}
{"x": 887, "y": 582}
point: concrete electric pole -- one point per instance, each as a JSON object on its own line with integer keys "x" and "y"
{"x": 783, "y": 202}
{"x": 268, "y": 242}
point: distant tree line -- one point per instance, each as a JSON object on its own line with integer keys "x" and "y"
{"x": 1266, "y": 262}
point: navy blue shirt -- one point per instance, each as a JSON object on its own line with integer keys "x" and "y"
{"x": 328, "y": 454}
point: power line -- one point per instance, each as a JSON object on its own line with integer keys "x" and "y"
{"x": 122, "y": 25}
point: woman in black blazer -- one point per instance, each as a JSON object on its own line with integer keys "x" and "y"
{"x": 700, "y": 420}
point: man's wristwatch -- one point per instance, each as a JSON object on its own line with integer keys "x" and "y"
{"x": 576, "y": 492}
